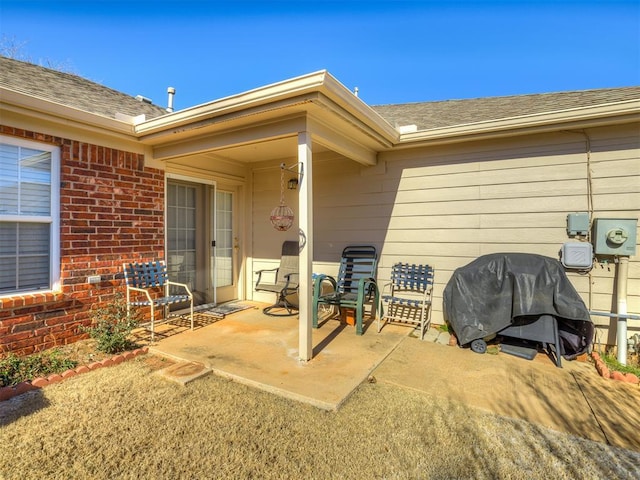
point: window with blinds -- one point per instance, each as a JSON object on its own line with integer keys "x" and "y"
{"x": 28, "y": 216}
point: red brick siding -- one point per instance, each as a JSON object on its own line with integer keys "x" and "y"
{"x": 111, "y": 209}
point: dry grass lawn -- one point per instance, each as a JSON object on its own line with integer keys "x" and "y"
{"x": 125, "y": 422}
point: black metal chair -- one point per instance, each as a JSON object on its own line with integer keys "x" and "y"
{"x": 283, "y": 281}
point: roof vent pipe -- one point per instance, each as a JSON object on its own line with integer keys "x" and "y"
{"x": 171, "y": 91}
{"x": 142, "y": 99}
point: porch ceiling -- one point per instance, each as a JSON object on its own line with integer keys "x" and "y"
{"x": 268, "y": 150}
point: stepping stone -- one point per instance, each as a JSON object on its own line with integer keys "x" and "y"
{"x": 184, "y": 372}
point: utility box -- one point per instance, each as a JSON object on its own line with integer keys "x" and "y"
{"x": 578, "y": 223}
{"x": 577, "y": 255}
{"x": 615, "y": 236}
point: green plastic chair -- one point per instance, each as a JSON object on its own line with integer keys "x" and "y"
{"x": 354, "y": 286}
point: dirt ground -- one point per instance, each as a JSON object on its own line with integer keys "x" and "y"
{"x": 85, "y": 352}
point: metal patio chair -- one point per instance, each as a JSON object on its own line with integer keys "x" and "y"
{"x": 283, "y": 281}
{"x": 407, "y": 296}
{"x": 354, "y": 286}
{"x": 148, "y": 285}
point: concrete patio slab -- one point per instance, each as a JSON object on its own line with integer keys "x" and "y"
{"x": 572, "y": 399}
{"x": 262, "y": 351}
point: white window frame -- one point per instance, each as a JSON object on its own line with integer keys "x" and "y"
{"x": 53, "y": 219}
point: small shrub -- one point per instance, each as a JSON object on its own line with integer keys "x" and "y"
{"x": 111, "y": 326}
{"x": 613, "y": 364}
{"x": 14, "y": 369}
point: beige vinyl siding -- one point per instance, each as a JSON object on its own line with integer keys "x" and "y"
{"x": 266, "y": 243}
{"x": 615, "y": 166}
{"x": 450, "y": 204}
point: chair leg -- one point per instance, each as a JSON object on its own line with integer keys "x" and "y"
{"x": 315, "y": 313}
{"x": 290, "y": 307}
{"x": 281, "y": 303}
{"x": 290, "y": 311}
{"x": 192, "y": 313}
{"x": 153, "y": 317}
{"x": 359, "y": 315}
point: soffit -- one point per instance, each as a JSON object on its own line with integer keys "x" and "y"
{"x": 267, "y": 131}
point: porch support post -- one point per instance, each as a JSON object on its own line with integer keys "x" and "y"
{"x": 305, "y": 222}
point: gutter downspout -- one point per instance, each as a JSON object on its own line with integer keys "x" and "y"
{"x": 621, "y": 294}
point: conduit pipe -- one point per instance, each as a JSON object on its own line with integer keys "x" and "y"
{"x": 621, "y": 294}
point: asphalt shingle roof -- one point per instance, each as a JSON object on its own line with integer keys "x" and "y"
{"x": 92, "y": 97}
{"x": 71, "y": 90}
{"x": 428, "y": 115}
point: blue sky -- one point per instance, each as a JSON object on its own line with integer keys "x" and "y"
{"x": 393, "y": 51}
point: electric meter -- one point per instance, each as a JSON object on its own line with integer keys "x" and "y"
{"x": 615, "y": 236}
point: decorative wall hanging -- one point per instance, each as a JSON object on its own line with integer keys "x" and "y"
{"x": 282, "y": 216}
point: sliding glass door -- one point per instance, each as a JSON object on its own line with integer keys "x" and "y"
{"x": 226, "y": 247}
{"x": 202, "y": 243}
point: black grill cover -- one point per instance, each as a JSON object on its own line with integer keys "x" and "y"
{"x": 491, "y": 292}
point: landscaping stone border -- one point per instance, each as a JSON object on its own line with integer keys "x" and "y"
{"x": 604, "y": 371}
{"x": 11, "y": 391}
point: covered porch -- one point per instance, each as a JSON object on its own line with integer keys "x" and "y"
{"x": 240, "y": 143}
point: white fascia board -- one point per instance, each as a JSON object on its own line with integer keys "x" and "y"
{"x": 234, "y": 103}
{"x": 275, "y": 95}
{"x": 46, "y": 109}
{"x": 332, "y": 112}
{"x": 591, "y": 116}
{"x": 346, "y": 99}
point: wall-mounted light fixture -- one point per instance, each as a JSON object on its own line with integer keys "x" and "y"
{"x": 292, "y": 184}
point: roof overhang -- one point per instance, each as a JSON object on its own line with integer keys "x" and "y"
{"x": 315, "y": 103}
{"x": 263, "y": 124}
{"x": 574, "y": 118}
{"x": 46, "y": 110}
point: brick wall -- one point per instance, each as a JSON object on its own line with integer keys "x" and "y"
{"x": 111, "y": 209}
